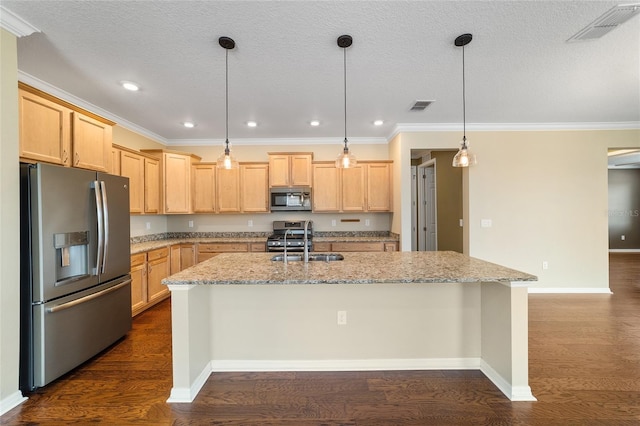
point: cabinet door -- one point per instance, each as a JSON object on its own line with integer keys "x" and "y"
{"x": 300, "y": 170}
{"x": 158, "y": 269}
{"x": 91, "y": 143}
{"x": 379, "y": 187}
{"x": 114, "y": 161}
{"x": 326, "y": 188}
{"x": 187, "y": 256}
{"x": 175, "y": 259}
{"x": 138, "y": 285}
{"x": 254, "y": 184}
{"x": 132, "y": 166}
{"x": 278, "y": 170}
{"x": 45, "y": 129}
{"x": 151, "y": 186}
{"x": 204, "y": 188}
{"x": 353, "y": 189}
{"x": 177, "y": 183}
{"x": 228, "y": 190}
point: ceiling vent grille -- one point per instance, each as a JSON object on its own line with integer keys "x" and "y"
{"x": 421, "y": 105}
{"x": 609, "y": 21}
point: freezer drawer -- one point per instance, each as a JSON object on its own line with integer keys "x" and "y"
{"x": 70, "y": 330}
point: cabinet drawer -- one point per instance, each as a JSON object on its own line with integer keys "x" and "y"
{"x": 338, "y": 247}
{"x": 157, "y": 254}
{"x": 202, "y": 256}
{"x": 258, "y": 247}
{"x": 321, "y": 246}
{"x": 138, "y": 259}
{"x": 223, "y": 247}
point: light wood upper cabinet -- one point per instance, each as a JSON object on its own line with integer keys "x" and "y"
{"x": 364, "y": 188}
{"x": 228, "y": 190}
{"x": 290, "y": 169}
{"x": 379, "y": 188}
{"x": 352, "y": 189}
{"x": 91, "y": 143}
{"x": 114, "y": 161}
{"x": 57, "y": 132}
{"x": 132, "y": 166}
{"x": 151, "y": 185}
{"x": 326, "y": 188}
{"x": 254, "y": 188}
{"x": 204, "y": 187}
{"x": 45, "y": 129}
{"x": 175, "y": 180}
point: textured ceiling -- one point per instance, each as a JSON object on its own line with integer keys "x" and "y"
{"x": 287, "y": 69}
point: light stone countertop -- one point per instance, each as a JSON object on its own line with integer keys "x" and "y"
{"x": 152, "y": 245}
{"x": 356, "y": 268}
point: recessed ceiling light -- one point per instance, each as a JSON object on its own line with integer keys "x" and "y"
{"x": 314, "y": 123}
{"x": 189, "y": 124}
{"x": 378, "y": 123}
{"x": 130, "y": 86}
{"x": 252, "y": 123}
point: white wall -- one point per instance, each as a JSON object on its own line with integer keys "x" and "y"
{"x": 9, "y": 225}
{"x": 549, "y": 204}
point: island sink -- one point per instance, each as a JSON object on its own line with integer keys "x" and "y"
{"x": 317, "y": 257}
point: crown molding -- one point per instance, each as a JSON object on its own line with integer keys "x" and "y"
{"x": 15, "y": 24}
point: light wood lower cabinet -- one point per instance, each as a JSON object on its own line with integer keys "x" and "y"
{"x": 183, "y": 256}
{"x": 355, "y": 246}
{"x": 147, "y": 272}
{"x": 209, "y": 250}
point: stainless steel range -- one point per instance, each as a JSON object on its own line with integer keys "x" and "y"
{"x": 292, "y": 235}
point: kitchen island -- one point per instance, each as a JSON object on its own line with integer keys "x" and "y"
{"x": 370, "y": 311}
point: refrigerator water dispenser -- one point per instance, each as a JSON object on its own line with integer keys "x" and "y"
{"x": 71, "y": 255}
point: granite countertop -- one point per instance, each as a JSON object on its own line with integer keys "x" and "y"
{"x": 140, "y": 247}
{"x": 356, "y": 268}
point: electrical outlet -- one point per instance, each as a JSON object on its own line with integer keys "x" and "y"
{"x": 333, "y": 222}
{"x": 342, "y": 317}
{"x": 148, "y": 225}
{"x": 190, "y": 224}
{"x": 545, "y": 264}
{"x": 622, "y": 237}
{"x": 367, "y": 222}
{"x": 486, "y": 223}
{"x": 250, "y": 223}
{"x": 461, "y": 223}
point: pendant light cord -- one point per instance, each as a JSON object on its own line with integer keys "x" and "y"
{"x": 226, "y": 95}
{"x": 464, "y": 106}
{"x": 345, "y": 96}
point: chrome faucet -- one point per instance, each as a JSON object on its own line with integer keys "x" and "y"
{"x": 285, "y": 245}
{"x": 306, "y": 241}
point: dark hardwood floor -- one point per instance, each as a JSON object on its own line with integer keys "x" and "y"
{"x": 584, "y": 357}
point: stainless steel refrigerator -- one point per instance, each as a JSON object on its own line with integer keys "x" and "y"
{"x": 75, "y": 264}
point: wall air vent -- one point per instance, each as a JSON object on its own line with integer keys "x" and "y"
{"x": 609, "y": 21}
{"x": 421, "y": 105}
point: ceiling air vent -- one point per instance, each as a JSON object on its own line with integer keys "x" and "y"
{"x": 607, "y": 22}
{"x": 421, "y": 105}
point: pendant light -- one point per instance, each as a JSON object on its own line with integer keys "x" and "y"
{"x": 226, "y": 160}
{"x": 463, "y": 158}
{"x": 345, "y": 159}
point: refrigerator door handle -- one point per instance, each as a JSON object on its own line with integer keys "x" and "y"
{"x": 63, "y": 306}
{"x": 105, "y": 209}
{"x": 99, "y": 209}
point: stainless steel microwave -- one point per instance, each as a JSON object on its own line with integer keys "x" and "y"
{"x": 292, "y": 199}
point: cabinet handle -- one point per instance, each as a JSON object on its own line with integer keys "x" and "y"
{"x": 77, "y": 158}
{"x": 65, "y": 156}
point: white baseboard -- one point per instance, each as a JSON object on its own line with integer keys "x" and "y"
{"x": 572, "y": 290}
{"x": 11, "y": 402}
{"x": 514, "y": 393}
{"x": 189, "y": 394}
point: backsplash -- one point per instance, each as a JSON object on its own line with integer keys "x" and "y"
{"x": 189, "y": 235}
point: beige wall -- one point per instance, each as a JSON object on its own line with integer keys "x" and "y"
{"x": 550, "y": 204}
{"x": 9, "y": 224}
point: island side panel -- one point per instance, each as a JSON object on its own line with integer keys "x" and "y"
{"x": 395, "y": 326}
{"x": 505, "y": 333}
{"x": 191, "y": 340}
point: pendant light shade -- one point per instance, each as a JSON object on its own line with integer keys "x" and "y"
{"x": 346, "y": 159}
{"x": 463, "y": 158}
{"x": 226, "y": 160}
